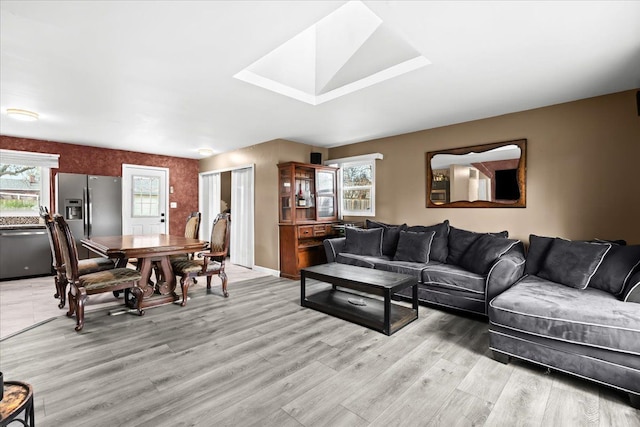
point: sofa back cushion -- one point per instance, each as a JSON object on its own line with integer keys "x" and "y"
{"x": 363, "y": 242}
{"x": 440, "y": 244}
{"x": 617, "y": 267}
{"x": 389, "y": 237}
{"x": 538, "y": 248}
{"x": 460, "y": 241}
{"x": 484, "y": 251}
{"x": 572, "y": 263}
{"x": 414, "y": 246}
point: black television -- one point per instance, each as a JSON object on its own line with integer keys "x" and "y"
{"x": 507, "y": 184}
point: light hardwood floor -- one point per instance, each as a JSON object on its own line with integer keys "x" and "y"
{"x": 258, "y": 358}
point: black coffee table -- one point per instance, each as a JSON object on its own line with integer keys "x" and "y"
{"x": 375, "y": 313}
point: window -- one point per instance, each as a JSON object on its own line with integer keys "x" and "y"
{"x": 146, "y": 196}
{"x": 24, "y": 182}
{"x": 357, "y": 184}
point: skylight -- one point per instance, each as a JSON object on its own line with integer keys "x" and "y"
{"x": 348, "y": 50}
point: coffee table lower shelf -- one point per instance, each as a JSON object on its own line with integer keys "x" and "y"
{"x": 336, "y": 303}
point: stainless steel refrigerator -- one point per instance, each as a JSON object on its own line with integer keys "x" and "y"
{"x": 91, "y": 205}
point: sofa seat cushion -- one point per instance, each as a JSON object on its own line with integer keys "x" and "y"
{"x": 403, "y": 267}
{"x": 359, "y": 260}
{"x": 580, "y": 316}
{"x": 454, "y": 277}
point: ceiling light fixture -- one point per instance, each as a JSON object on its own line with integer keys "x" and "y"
{"x": 205, "y": 151}
{"x": 26, "y": 115}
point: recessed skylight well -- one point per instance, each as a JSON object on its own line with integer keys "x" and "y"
{"x": 348, "y": 50}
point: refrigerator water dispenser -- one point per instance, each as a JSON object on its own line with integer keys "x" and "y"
{"x": 73, "y": 209}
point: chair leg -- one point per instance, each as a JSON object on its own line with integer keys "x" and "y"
{"x": 185, "y": 282}
{"x": 208, "y": 282}
{"x": 61, "y": 291}
{"x": 223, "y": 277}
{"x": 138, "y": 295}
{"x": 72, "y": 305}
{"x": 80, "y": 300}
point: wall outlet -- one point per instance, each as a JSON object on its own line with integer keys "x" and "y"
{"x": 173, "y": 205}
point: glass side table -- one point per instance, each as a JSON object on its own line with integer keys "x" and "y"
{"x": 18, "y": 397}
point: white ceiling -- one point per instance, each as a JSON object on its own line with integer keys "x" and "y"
{"x": 157, "y": 77}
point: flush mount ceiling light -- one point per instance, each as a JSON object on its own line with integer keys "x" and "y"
{"x": 205, "y": 151}
{"x": 26, "y": 115}
{"x": 348, "y": 50}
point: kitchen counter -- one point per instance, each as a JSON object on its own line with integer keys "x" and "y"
{"x": 21, "y": 226}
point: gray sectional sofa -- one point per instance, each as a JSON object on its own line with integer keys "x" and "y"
{"x": 573, "y": 306}
{"x": 576, "y": 310}
{"x": 454, "y": 268}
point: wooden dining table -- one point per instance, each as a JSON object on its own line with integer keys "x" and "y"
{"x": 148, "y": 249}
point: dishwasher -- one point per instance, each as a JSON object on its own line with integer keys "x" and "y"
{"x": 24, "y": 252}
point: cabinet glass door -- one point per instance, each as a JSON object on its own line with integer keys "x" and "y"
{"x": 286, "y": 195}
{"x": 326, "y": 186}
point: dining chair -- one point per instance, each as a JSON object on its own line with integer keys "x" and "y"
{"x": 191, "y": 230}
{"x": 81, "y": 286}
{"x": 206, "y": 263}
{"x": 85, "y": 266}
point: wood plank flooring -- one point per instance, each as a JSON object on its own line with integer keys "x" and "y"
{"x": 259, "y": 359}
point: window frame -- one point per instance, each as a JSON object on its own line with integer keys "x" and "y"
{"x": 367, "y": 159}
{"x": 45, "y": 162}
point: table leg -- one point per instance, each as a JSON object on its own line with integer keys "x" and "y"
{"x": 145, "y": 266}
{"x": 167, "y": 287}
{"x": 302, "y": 286}
{"x": 387, "y": 312}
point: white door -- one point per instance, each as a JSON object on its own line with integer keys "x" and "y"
{"x": 144, "y": 200}
{"x": 242, "y": 195}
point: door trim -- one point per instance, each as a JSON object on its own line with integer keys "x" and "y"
{"x": 166, "y": 192}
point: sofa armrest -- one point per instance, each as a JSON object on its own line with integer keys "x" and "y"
{"x": 332, "y": 247}
{"x": 632, "y": 291}
{"x": 505, "y": 272}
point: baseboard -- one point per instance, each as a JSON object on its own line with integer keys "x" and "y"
{"x": 266, "y": 270}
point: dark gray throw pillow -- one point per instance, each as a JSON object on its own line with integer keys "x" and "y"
{"x": 460, "y": 240}
{"x": 484, "y": 251}
{"x": 616, "y": 269}
{"x": 413, "y": 246}
{"x": 572, "y": 263}
{"x": 440, "y": 244}
{"x": 389, "y": 237}
{"x": 363, "y": 242}
{"x": 538, "y": 248}
{"x": 632, "y": 290}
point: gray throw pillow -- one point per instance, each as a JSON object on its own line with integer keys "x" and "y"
{"x": 413, "y": 246}
{"x": 363, "y": 242}
{"x": 484, "y": 251}
{"x": 389, "y": 237}
{"x": 460, "y": 241}
{"x": 440, "y": 244}
{"x": 632, "y": 291}
{"x": 572, "y": 263}
{"x": 616, "y": 269}
{"x": 538, "y": 247}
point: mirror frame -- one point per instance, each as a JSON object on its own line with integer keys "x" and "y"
{"x": 521, "y": 176}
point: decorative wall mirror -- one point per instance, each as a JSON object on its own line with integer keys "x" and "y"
{"x": 481, "y": 176}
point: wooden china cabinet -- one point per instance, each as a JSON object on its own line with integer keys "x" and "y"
{"x": 308, "y": 210}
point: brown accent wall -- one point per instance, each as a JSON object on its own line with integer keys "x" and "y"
{"x": 183, "y": 173}
{"x": 265, "y": 158}
{"x": 582, "y": 171}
